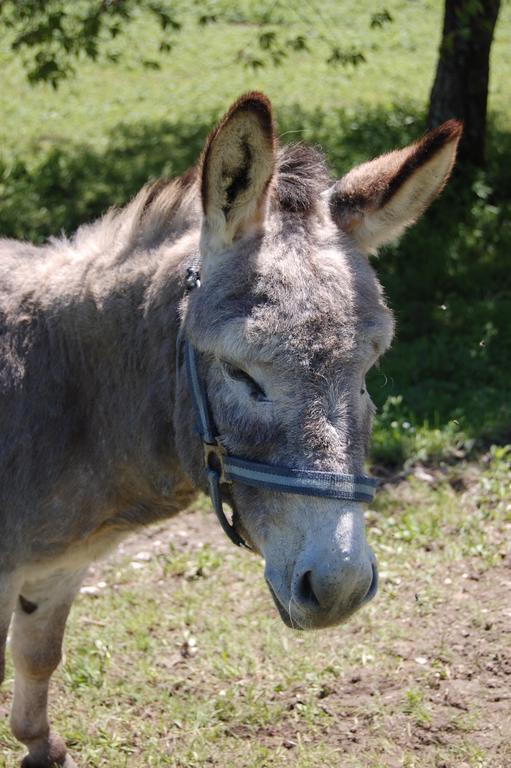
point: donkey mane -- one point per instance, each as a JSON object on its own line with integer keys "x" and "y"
{"x": 167, "y": 208}
{"x": 302, "y": 177}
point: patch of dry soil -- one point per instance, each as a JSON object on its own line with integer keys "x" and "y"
{"x": 456, "y": 653}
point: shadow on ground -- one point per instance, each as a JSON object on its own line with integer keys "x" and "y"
{"x": 448, "y": 280}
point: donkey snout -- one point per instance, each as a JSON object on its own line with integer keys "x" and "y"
{"x": 319, "y": 569}
{"x": 326, "y": 592}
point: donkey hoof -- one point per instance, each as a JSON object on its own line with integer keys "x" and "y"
{"x": 52, "y": 755}
{"x": 37, "y": 762}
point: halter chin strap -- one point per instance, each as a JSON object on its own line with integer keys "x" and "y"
{"x": 222, "y": 468}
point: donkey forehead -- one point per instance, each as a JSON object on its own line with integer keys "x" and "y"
{"x": 278, "y": 297}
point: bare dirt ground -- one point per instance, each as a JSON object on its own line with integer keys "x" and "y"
{"x": 450, "y": 662}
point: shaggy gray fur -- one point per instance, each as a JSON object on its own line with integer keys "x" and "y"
{"x": 88, "y": 326}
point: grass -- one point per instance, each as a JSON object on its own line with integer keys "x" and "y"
{"x": 177, "y": 657}
{"x": 68, "y": 155}
{"x": 179, "y": 660}
{"x": 201, "y": 74}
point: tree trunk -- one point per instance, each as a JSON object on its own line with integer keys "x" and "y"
{"x": 460, "y": 88}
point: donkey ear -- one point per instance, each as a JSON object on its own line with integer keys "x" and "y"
{"x": 376, "y": 201}
{"x": 237, "y": 167}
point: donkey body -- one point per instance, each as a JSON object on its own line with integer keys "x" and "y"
{"x": 96, "y": 421}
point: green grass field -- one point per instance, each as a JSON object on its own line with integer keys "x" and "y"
{"x": 175, "y": 656}
{"x": 66, "y": 156}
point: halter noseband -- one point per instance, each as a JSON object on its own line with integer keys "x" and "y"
{"x": 222, "y": 468}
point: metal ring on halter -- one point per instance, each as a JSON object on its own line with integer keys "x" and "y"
{"x": 218, "y": 452}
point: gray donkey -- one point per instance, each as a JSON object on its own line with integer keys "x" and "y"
{"x": 98, "y": 433}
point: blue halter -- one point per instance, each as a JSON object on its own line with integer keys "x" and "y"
{"x": 221, "y": 468}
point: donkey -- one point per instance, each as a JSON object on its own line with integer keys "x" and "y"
{"x": 98, "y": 431}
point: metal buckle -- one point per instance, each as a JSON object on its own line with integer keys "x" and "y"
{"x": 218, "y": 451}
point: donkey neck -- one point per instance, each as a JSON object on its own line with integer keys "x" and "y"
{"x": 111, "y": 320}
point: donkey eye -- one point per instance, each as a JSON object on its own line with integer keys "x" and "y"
{"x": 255, "y": 390}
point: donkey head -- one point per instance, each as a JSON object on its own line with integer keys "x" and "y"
{"x": 288, "y": 321}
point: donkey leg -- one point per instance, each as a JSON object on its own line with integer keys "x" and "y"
{"x": 36, "y": 645}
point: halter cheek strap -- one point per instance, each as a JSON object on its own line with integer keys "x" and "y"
{"x": 222, "y": 468}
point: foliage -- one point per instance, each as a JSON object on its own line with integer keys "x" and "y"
{"x": 103, "y": 135}
{"x": 278, "y": 36}
{"x": 454, "y": 325}
{"x": 52, "y": 36}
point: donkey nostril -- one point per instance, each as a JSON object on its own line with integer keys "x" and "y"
{"x": 305, "y": 590}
